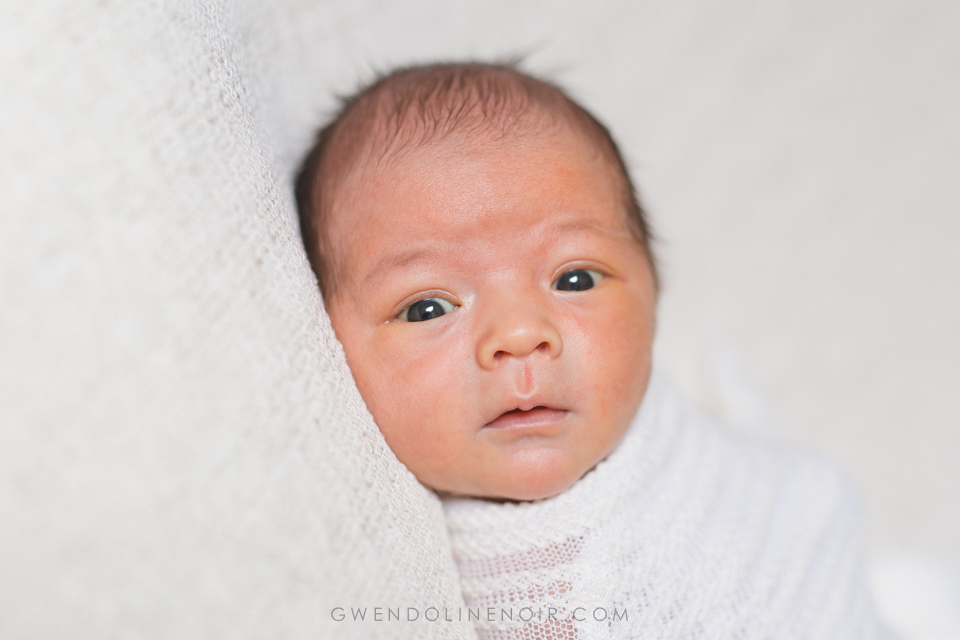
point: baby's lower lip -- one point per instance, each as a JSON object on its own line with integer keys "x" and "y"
{"x": 536, "y": 417}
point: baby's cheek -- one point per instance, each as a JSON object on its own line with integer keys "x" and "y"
{"x": 407, "y": 371}
{"x": 613, "y": 341}
{"x": 421, "y": 408}
{"x": 422, "y": 444}
{"x": 618, "y": 344}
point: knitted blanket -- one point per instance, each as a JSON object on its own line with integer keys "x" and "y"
{"x": 685, "y": 531}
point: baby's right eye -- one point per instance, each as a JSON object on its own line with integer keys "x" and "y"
{"x": 426, "y": 309}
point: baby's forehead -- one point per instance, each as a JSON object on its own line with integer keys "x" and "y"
{"x": 447, "y": 199}
{"x": 468, "y": 157}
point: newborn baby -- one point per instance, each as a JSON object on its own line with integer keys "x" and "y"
{"x": 487, "y": 267}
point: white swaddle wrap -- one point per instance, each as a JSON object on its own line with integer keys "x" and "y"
{"x": 685, "y": 531}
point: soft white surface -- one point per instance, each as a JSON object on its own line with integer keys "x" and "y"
{"x": 919, "y": 597}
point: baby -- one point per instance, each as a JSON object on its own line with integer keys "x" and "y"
{"x": 487, "y": 267}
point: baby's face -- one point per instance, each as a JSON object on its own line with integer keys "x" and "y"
{"x": 495, "y": 311}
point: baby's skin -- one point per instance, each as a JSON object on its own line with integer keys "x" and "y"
{"x": 494, "y": 308}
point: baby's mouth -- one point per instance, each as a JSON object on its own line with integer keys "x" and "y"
{"x": 539, "y": 416}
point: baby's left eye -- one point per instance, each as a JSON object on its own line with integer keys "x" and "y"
{"x": 577, "y": 280}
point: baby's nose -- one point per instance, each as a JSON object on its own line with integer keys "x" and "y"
{"x": 517, "y": 329}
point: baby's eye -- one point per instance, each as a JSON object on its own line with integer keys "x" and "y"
{"x": 426, "y": 309}
{"x": 577, "y": 280}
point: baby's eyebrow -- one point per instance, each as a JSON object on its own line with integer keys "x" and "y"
{"x": 591, "y": 225}
{"x": 393, "y": 261}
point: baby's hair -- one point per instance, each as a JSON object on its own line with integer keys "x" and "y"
{"x": 417, "y": 105}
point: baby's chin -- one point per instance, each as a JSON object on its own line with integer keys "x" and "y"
{"x": 534, "y": 477}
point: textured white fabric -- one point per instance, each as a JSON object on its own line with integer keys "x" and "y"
{"x": 685, "y": 531}
{"x": 183, "y": 453}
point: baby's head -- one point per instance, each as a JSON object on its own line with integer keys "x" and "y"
{"x": 487, "y": 267}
